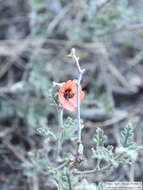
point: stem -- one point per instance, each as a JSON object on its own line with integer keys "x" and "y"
{"x": 78, "y": 109}
{"x": 80, "y": 72}
{"x": 35, "y": 183}
{"x": 60, "y": 132}
{"x": 69, "y": 182}
{"x": 132, "y": 172}
{"x": 98, "y": 164}
{"x": 93, "y": 170}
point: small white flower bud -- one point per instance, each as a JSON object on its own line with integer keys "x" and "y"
{"x": 80, "y": 148}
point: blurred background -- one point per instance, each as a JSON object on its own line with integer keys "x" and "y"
{"x": 35, "y": 38}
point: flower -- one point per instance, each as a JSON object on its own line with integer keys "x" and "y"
{"x": 67, "y": 95}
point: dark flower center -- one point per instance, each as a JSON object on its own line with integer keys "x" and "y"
{"x": 68, "y": 94}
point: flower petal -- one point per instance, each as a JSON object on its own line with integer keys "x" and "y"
{"x": 69, "y": 103}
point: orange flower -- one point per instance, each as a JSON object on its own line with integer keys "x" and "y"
{"x": 68, "y": 95}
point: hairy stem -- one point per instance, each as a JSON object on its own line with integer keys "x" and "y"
{"x": 69, "y": 181}
{"x": 78, "y": 108}
{"x": 60, "y": 132}
{"x": 80, "y": 72}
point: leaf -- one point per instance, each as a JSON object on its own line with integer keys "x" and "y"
{"x": 29, "y": 170}
{"x": 128, "y": 149}
{"x": 101, "y": 186}
{"x": 70, "y": 128}
{"x": 103, "y": 153}
{"x": 100, "y": 138}
{"x": 85, "y": 185}
{"x": 62, "y": 178}
{"x": 127, "y": 134}
{"x": 45, "y": 131}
